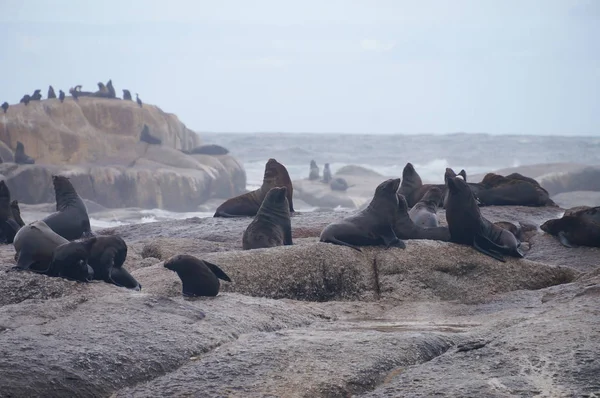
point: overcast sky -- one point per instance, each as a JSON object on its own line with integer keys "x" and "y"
{"x": 383, "y": 66}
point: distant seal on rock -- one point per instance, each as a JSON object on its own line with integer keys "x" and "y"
{"x": 69, "y": 261}
{"x": 111, "y": 90}
{"x": 138, "y": 100}
{"x": 405, "y": 228}
{"x": 467, "y": 225}
{"x": 71, "y": 220}
{"x": 20, "y": 156}
{"x": 339, "y": 184}
{"x": 373, "y": 226}
{"x": 579, "y": 227}
{"x": 314, "y": 171}
{"x": 106, "y": 256}
{"x": 276, "y": 175}
{"x": 271, "y": 226}
{"x": 198, "y": 277}
{"x": 515, "y": 191}
{"x": 37, "y": 95}
{"x": 61, "y": 95}
{"x": 8, "y": 226}
{"x": 35, "y": 244}
{"x": 127, "y": 95}
{"x": 51, "y": 93}
{"x": 326, "y": 174}
{"x": 5, "y": 106}
{"x": 424, "y": 212}
{"x": 25, "y": 100}
{"x": 102, "y": 91}
{"x": 145, "y": 136}
{"x": 16, "y": 212}
{"x": 210, "y": 149}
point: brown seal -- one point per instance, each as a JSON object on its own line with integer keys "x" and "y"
{"x": 69, "y": 261}
{"x": 373, "y": 226}
{"x": 577, "y": 227}
{"x": 198, "y": 277}
{"x": 272, "y": 226}
{"x": 51, "y": 93}
{"x": 424, "y": 212}
{"x": 276, "y": 175}
{"x": 35, "y": 244}
{"x": 515, "y": 191}
{"x": 71, "y": 220}
{"x": 412, "y": 187}
{"x": 106, "y": 256}
{"x": 405, "y": 228}
{"x": 16, "y": 212}
{"x": 467, "y": 225}
{"x": 314, "y": 171}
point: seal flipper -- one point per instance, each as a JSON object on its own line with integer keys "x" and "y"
{"x": 487, "y": 247}
{"x": 564, "y": 240}
{"x": 390, "y": 239}
{"x": 336, "y": 241}
{"x": 217, "y": 271}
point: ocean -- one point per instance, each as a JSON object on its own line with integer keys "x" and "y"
{"x": 385, "y": 154}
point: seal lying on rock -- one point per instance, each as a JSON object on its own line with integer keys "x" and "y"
{"x": 106, "y": 256}
{"x": 424, "y": 212}
{"x": 69, "y": 261}
{"x": 198, "y": 277}
{"x": 35, "y": 244}
{"x": 372, "y": 226}
{"x": 515, "y": 191}
{"x": 405, "y": 228}
{"x": 579, "y": 227}
{"x": 276, "y": 175}
{"x": 20, "y": 156}
{"x": 272, "y": 226}
{"x": 339, "y": 184}
{"x": 326, "y": 174}
{"x": 314, "y": 171}
{"x": 210, "y": 149}
{"x": 148, "y": 138}
{"x": 8, "y": 225}
{"x": 71, "y": 219}
{"x": 467, "y": 225}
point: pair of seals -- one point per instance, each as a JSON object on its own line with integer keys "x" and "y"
{"x": 577, "y": 227}
{"x": 146, "y": 137}
{"x": 467, "y": 225}
{"x": 198, "y": 277}
{"x": 20, "y": 156}
{"x": 71, "y": 220}
{"x": 51, "y": 93}
{"x": 276, "y": 175}
{"x": 8, "y": 225}
{"x": 406, "y": 228}
{"x": 326, "y": 174}
{"x": 35, "y": 244}
{"x": 412, "y": 187}
{"x": 314, "y": 171}
{"x": 106, "y": 255}
{"x": 70, "y": 261}
{"x": 424, "y": 212}
{"x": 512, "y": 190}
{"x": 5, "y": 106}
{"x": 272, "y": 226}
{"x": 127, "y": 95}
{"x": 373, "y": 226}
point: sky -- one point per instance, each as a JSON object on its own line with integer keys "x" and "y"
{"x": 373, "y": 66}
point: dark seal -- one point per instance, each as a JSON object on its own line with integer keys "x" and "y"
{"x": 247, "y": 205}
{"x": 35, "y": 244}
{"x": 577, "y": 227}
{"x": 314, "y": 171}
{"x": 127, "y": 95}
{"x": 25, "y": 100}
{"x": 71, "y": 220}
{"x": 16, "y": 212}
{"x": 61, "y": 96}
{"x": 5, "y": 106}
{"x": 373, "y": 226}
{"x": 148, "y": 138}
{"x": 424, "y": 212}
{"x": 8, "y": 225}
{"x": 405, "y": 228}
{"x": 271, "y": 226}
{"x": 198, "y": 277}
{"x": 37, "y": 95}
{"x": 515, "y": 191}
{"x": 20, "y": 156}
{"x": 138, "y": 100}
{"x": 467, "y": 225}
{"x": 51, "y": 93}
{"x": 412, "y": 187}
{"x": 69, "y": 261}
{"x": 106, "y": 256}
{"x": 209, "y": 149}
{"x": 339, "y": 184}
{"x": 326, "y": 174}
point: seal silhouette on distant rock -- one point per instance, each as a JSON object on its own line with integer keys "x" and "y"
{"x": 138, "y": 100}
{"x": 198, "y": 277}
{"x": 271, "y": 226}
{"x": 51, "y": 93}
{"x": 405, "y": 228}
{"x": 276, "y": 175}
{"x": 16, "y": 212}
{"x": 146, "y": 137}
{"x": 127, "y": 95}
{"x": 61, "y": 96}
{"x": 37, "y": 95}
{"x": 577, "y": 227}
{"x": 412, "y": 187}
{"x": 111, "y": 90}
{"x": 209, "y": 149}
{"x": 314, "y": 171}
{"x": 467, "y": 225}
{"x": 35, "y": 244}
{"x": 25, "y": 100}
{"x": 69, "y": 261}
{"x": 326, "y": 174}
{"x": 373, "y": 226}
{"x": 339, "y": 184}
{"x": 8, "y": 225}
{"x": 102, "y": 91}
{"x": 106, "y": 256}
{"x": 20, "y": 156}
{"x": 5, "y": 106}
{"x": 424, "y": 212}
{"x": 71, "y": 219}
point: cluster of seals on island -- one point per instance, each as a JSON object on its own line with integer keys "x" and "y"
{"x": 336, "y": 184}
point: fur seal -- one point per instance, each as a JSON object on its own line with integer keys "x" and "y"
{"x": 412, "y": 187}
{"x": 198, "y": 277}
{"x": 276, "y": 175}
{"x": 467, "y": 225}
{"x": 314, "y": 171}
{"x": 577, "y": 227}
{"x": 71, "y": 219}
{"x": 339, "y": 184}
{"x": 424, "y": 212}
{"x": 516, "y": 191}
{"x": 271, "y": 226}
{"x": 210, "y": 149}
{"x": 127, "y": 95}
{"x": 37, "y": 95}
{"x": 25, "y": 100}
{"x": 373, "y": 226}
{"x": 20, "y": 156}
{"x": 16, "y": 212}
{"x": 106, "y": 257}
{"x": 8, "y": 226}
{"x": 110, "y": 89}
{"x": 146, "y": 137}
{"x": 326, "y": 174}
{"x": 61, "y": 95}
{"x": 51, "y": 93}
{"x": 69, "y": 261}
{"x": 405, "y": 228}
{"x": 102, "y": 91}
{"x": 5, "y": 106}
{"x": 35, "y": 244}
{"x": 138, "y": 100}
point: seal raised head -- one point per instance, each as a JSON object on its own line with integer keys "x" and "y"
{"x": 71, "y": 219}
{"x": 577, "y": 227}
{"x": 373, "y": 226}
{"x": 276, "y": 175}
{"x": 198, "y": 277}
{"x": 127, "y": 95}
{"x": 106, "y": 257}
{"x": 271, "y": 226}
{"x": 412, "y": 187}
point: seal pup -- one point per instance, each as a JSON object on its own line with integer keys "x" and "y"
{"x": 61, "y": 95}
{"x": 111, "y": 90}
{"x": 271, "y": 226}
{"x": 127, "y": 95}
{"x": 35, "y": 244}
{"x": 25, "y": 100}
{"x": 71, "y": 219}
{"x": 326, "y": 174}
{"x": 69, "y": 261}
{"x": 16, "y": 212}
{"x": 276, "y": 175}
{"x": 198, "y": 277}
{"x": 5, "y": 106}
{"x": 37, "y": 95}
{"x": 373, "y": 226}
{"x": 314, "y": 171}
{"x": 577, "y": 227}
{"x": 20, "y": 156}
{"x": 8, "y": 226}
{"x": 405, "y": 228}
{"x": 210, "y": 149}
{"x": 106, "y": 257}
{"x": 51, "y": 93}
{"x": 467, "y": 225}
{"x": 146, "y": 137}
{"x": 138, "y": 100}
{"x": 424, "y": 212}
